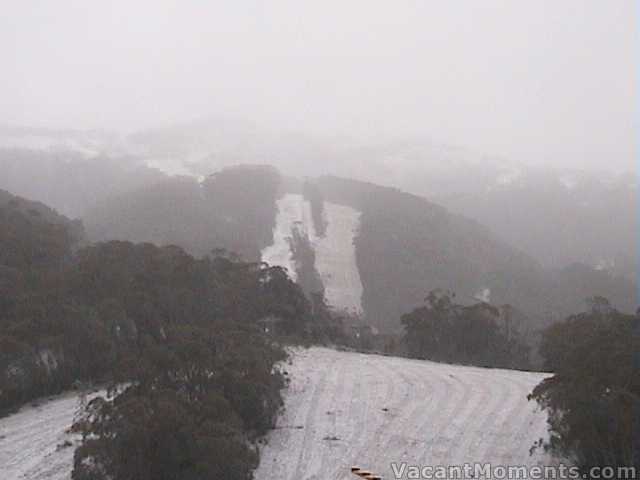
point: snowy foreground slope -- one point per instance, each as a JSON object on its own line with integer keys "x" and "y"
{"x": 335, "y": 252}
{"x": 371, "y": 410}
{"x": 341, "y": 409}
{"x": 31, "y": 441}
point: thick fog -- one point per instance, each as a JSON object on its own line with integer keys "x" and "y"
{"x": 537, "y": 81}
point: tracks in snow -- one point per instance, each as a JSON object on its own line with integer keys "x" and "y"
{"x": 372, "y": 410}
{"x": 29, "y": 441}
{"x": 434, "y": 414}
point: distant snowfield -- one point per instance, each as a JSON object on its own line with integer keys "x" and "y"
{"x": 344, "y": 409}
{"x": 335, "y": 252}
{"x": 291, "y": 210}
{"x": 336, "y": 258}
{"x": 341, "y": 409}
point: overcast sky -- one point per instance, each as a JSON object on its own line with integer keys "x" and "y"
{"x": 539, "y": 81}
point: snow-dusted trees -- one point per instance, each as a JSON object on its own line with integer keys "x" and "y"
{"x": 194, "y": 403}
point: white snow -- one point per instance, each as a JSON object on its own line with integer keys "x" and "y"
{"x": 291, "y": 210}
{"x": 31, "y": 441}
{"x": 335, "y": 251}
{"x": 437, "y": 414}
{"x": 483, "y": 295}
{"x": 336, "y": 258}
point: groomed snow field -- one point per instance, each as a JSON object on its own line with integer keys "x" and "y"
{"x": 341, "y": 409}
{"x": 344, "y": 409}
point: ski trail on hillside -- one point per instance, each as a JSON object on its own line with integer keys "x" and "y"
{"x": 336, "y": 258}
{"x": 376, "y": 410}
{"x": 290, "y": 213}
{"x": 335, "y": 251}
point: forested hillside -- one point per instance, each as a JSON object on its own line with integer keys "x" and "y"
{"x": 232, "y": 209}
{"x": 34, "y": 235}
{"x": 408, "y": 246}
{"x": 417, "y": 244}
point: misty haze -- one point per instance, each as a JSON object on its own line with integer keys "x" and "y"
{"x": 300, "y": 240}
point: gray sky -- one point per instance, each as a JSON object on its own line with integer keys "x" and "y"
{"x": 533, "y": 80}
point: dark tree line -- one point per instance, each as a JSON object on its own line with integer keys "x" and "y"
{"x": 304, "y": 257}
{"x": 479, "y": 334}
{"x": 593, "y": 397}
{"x": 315, "y": 198}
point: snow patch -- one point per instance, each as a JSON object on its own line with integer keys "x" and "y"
{"x": 605, "y": 265}
{"x": 48, "y": 359}
{"x": 484, "y": 295}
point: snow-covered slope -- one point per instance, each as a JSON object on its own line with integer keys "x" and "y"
{"x": 335, "y": 252}
{"x": 336, "y": 258}
{"x": 32, "y": 441}
{"x": 293, "y": 212}
{"x": 344, "y": 409}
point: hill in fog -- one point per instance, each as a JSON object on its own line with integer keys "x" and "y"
{"x": 405, "y": 246}
{"x": 557, "y": 216}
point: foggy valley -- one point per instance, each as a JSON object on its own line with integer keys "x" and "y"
{"x": 282, "y": 240}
